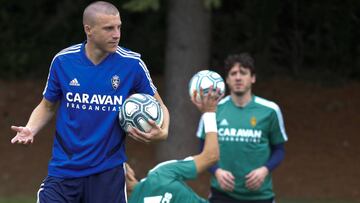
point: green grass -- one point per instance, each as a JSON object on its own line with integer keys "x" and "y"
{"x": 308, "y": 200}
{"x": 282, "y": 200}
{"x": 17, "y": 200}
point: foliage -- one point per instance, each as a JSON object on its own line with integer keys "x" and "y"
{"x": 212, "y": 4}
{"x": 290, "y": 37}
{"x": 30, "y": 35}
{"x": 33, "y": 32}
{"x": 142, "y": 5}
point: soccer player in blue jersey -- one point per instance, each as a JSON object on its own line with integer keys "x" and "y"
{"x": 251, "y": 137}
{"x": 86, "y": 86}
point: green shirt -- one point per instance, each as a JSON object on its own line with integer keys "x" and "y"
{"x": 165, "y": 184}
{"x": 245, "y": 136}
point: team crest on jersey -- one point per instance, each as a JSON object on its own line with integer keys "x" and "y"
{"x": 253, "y": 121}
{"x": 115, "y": 81}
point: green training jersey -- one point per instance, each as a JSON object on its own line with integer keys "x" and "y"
{"x": 245, "y": 135}
{"x": 165, "y": 184}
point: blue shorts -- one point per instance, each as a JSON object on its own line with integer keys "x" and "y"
{"x": 105, "y": 187}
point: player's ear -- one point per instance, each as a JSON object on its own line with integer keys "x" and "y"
{"x": 87, "y": 29}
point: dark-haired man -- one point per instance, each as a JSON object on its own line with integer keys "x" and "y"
{"x": 251, "y": 136}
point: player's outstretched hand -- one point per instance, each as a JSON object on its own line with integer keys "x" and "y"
{"x": 256, "y": 177}
{"x": 24, "y": 135}
{"x": 226, "y": 179}
{"x": 208, "y": 102}
{"x": 154, "y": 134}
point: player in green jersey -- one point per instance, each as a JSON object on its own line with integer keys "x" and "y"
{"x": 251, "y": 136}
{"x": 165, "y": 183}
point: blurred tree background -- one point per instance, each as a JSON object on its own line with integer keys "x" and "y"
{"x": 291, "y": 37}
{"x": 306, "y": 40}
{"x": 307, "y": 44}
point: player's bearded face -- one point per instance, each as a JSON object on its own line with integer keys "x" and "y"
{"x": 106, "y": 32}
{"x": 240, "y": 80}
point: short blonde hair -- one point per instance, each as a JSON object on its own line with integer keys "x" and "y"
{"x": 98, "y": 7}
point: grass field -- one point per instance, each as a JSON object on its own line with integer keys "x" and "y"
{"x": 17, "y": 200}
{"x": 307, "y": 200}
{"x": 287, "y": 200}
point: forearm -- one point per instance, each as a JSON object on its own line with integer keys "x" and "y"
{"x": 166, "y": 122}
{"x": 215, "y": 166}
{"x": 210, "y": 154}
{"x": 211, "y": 149}
{"x": 40, "y": 116}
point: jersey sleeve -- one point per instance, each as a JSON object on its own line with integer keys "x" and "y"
{"x": 277, "y": 127}
{"x": 52, "y": 90}
{"x": 144, "y": 82}
{"x": 178, "y": 169}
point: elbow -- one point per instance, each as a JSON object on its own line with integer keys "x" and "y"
{"x": 164, "y": 136}
{"x": 213, "y": 157}
{"x": 48, "y": 106}
{"x": 216, "y": 156}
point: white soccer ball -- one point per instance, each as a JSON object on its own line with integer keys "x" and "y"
{"x": 204, "y": 79}
{"x": 137, "y": 110}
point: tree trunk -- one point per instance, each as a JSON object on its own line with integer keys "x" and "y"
{"x": 187, "y": 51}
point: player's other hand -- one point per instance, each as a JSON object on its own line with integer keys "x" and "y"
{"x": 208, "y": 102}
{"x": 24, "y": 135}
{"x": 226, "y": 179}
{"x": 130, "y": 178}
{"x": 155, "y": 133}
{"x": 255, "y": 178}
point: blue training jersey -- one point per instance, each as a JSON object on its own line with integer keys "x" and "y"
{"x": 88, "y": 137}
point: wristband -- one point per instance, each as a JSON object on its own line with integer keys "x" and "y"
{"x": 210, "y": 122}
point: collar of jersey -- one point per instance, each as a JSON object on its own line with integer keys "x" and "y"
{"x": 87, "y": 61}
{"x": 247, "y": 105}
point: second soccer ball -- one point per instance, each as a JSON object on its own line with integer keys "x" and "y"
{"x": 205, "y": 79}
